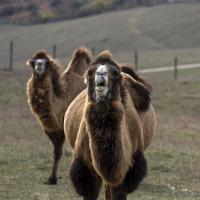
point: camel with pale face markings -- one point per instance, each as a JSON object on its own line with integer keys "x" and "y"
{"x": 109, "y": 125}
{"x": 50, "y": 91}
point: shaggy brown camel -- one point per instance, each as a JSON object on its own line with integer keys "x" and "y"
{"x": 50, "y": 91}
{"x": 108, "y": 127}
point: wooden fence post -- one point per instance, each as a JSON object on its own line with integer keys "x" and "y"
{"x": 175, "y": 68}
{"x": 93, "y": 51}
{"x": 54, "y": 51}
{"x": 136, "y": 61}
{"x": 11, "y": 57}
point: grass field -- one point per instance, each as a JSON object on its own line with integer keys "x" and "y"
{"x": 159, "y": 34}
{"x": 173, "y": 157}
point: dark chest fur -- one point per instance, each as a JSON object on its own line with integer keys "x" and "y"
{"x": 103, "y": 116}
{"x": 104, "y": 126}
{"x": 40, "y": 98}
{"x": 41, "y": 89}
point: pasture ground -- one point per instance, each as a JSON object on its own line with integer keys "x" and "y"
{"x": 173, "y": 157}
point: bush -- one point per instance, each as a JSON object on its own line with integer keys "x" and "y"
{"x": 31, "y": 7}
{"x": 45, "y": 16}
{"x": 7, "y": 11}
{"x": 55, "y": 3}
{"x": 95, "y": 7}
{"x": 78, "y": 3}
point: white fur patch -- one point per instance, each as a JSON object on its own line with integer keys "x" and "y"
{"x": 102, "y": 69}
{"x": 101, "y": 81}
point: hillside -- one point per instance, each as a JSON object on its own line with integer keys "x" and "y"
{"x": 35, "y": 11}
{"x": 158, "y": 33}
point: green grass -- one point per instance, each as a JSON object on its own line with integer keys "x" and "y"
{"x": 173, "y": 157}
{"x": 159, "y": 34}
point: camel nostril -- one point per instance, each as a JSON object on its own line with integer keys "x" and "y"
{"x": 102, "y": 84}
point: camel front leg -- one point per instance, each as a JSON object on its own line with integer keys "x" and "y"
{"x": 107, "y": 192}
{"x": 57, "y": 140}
{"x": 119, "y": 193}
{"x": 85, "y": 181}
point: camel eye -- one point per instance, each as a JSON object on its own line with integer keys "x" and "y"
{"x": 47, "y": 63}
{"x": 116, "y": 74}
{"x": 89, "y": 74}
{"x": 105, "y": 74}
{"x": 32, "y": 63}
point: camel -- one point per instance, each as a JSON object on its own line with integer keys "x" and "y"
{"x": 50, "y": 91}
{"x": 109, "y": 125}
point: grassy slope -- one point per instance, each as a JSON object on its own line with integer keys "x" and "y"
{"x": 25, "y": 153}
{"x": 176, "y": 26}
{"x": 158, "y": 33}
{"x": 173, "y": 158}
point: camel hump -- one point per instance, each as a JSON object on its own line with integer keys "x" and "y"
{"x": 41, "y": 54}
{"x": 106, "y": 54}
{"x": 140, "y": 95}
{"x": 105, "y": 57}
{"x": 82, "y": 53}
{"x": 80, "y": 60}
{"x": 133, "y": 74}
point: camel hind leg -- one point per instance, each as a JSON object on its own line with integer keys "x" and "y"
{"x": 85, "y": 181}
{"x": 57, "y": 139}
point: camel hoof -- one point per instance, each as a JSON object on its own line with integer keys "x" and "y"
{"x": 51, "y": 181}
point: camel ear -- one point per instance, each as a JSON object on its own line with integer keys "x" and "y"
{"x": 122, "y": 80}
{"x": 30, "y": 63}
{"x": 85, "y": 80}
{"x": 80, "y": 61}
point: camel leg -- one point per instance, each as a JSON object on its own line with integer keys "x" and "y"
{"x": 119, "y": 193}
{"x": 132, "y": 179}
{"x": 135, "y": 174}
{"x": 85, "y": 181}
{"x": 57, "y": 140}
{"x": 107, "y": 192}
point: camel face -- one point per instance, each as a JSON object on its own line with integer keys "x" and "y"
{"x": 104, "y": 82}
{"x": 40, "y": 63}
{"x": 40, "y": 66}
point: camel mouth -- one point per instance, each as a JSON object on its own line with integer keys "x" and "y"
{"x": 101, "y": 84}
{"x": 39, "y": 71}
{"x": 101, "y": 88}
{"x": 101, "y": 92}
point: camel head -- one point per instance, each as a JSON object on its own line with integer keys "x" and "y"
{"x": 104, "y": 78}
{"x": 41, "y": 63}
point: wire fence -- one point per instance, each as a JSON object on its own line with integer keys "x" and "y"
{"x": 12, "y": 50}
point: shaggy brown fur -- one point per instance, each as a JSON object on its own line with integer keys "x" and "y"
{"x": 128, "y": 70}
{"x": 50, "y": 93}
{"x": 107, "y": 138}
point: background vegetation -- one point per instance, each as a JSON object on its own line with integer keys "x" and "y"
{"x": 35, "y": 11}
